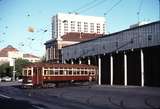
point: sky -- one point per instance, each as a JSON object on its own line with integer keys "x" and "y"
{"x": 17, "y": 16}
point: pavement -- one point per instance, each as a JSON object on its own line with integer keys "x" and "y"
{"x": 80, "y": 97}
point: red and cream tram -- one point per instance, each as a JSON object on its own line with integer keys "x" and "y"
{"x": 43, "y": 74}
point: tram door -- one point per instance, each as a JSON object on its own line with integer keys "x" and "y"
{"x": 38, "y": 76}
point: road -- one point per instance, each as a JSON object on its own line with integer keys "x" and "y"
{"x": 79, "y": 97}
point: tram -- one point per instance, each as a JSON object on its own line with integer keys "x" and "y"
{"x": 46, "y": 74}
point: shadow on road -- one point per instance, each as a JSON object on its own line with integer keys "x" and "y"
{"x": 18, "y": 104}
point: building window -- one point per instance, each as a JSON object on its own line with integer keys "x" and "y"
{"x": 104, "y": 28}
{"x": 65, "y": 26}
{"x": 72, "y": 26}
{"x": 79, "y": 26}
{"x": 85, "y": 27}
{"x": 98, "y": 28}
{"x": 92, "y": 27}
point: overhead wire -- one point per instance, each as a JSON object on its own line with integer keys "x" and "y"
{"x": 139, "y": 9}
{"x": 116, "y": 4}
{"x": 85, "y": 5}
{"x": 92, "y": 6}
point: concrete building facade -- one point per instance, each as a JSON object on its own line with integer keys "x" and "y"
{"x": 66, "y": 23}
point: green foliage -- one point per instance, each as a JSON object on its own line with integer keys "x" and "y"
{"x": 6, "y": 70}
{"x": 19, "y": 64}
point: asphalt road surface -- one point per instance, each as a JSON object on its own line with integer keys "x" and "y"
{"x": 79, "y": 97}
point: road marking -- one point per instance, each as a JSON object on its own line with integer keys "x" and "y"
{"x": 4, "y": 96}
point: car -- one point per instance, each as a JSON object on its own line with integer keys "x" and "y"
{"x": 6, "y": 79}
{"x": 20, "y": 80}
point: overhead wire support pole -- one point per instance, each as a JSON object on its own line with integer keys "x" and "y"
{"x": 159, "y": 9}
{"x": 139, "y": 11}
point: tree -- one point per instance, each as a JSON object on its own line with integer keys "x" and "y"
{"x": 6, "y": 70}
{"x": 19, "y": 64}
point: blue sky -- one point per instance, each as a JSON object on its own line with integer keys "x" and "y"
{"x": 17, "y": 15}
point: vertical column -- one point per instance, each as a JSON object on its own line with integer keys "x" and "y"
{"x": 46, "y": 54}
{"x": 89, "y": 61}
{"x": 54, "y": 53}
{"x": 64, "y": 62}
{"x": 111, "y": 69}
{"x": 80, "y": 62}
{"x": 142, "y": 68}
{"x": 99, "y": 70}
{"x": 72, "y": 61}
{"x": 125, "y": 69}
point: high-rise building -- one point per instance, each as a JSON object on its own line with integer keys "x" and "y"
{"x": 65, "y": 23}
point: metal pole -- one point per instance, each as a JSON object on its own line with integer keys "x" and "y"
{"x": 111, "y": 66}
{"x": 14, "y": 70}
{"x": 99, "y": 70}
{"x": 125, "y": 69}
{"x": 142, "y": 68}
{"x": 159, "y": 9}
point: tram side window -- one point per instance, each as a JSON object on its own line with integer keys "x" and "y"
{"x": 29, "y": 73}
{"x": 51, "y": 72}
{"x": 70, "y": 71}
{"x": 67, "y": 72}
{"x": 56, "y": 72}
{"x": 61, "y": 72}
{"x": 45, "y": 72}
{"x": 25, "y": 73}
{"x": 85, "y": 71}
{"x": 82, "y": 72}
{"x": 74, "y": 72}
{"x": 78, "y": 71}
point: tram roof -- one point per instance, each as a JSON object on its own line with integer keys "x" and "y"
{"x": 59, "y": 65}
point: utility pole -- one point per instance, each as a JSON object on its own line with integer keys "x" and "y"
{"x": 12, "y": 64}
{"x": 14, "y": 69}
{"x": 159, "y": 9}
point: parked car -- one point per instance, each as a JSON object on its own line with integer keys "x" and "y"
{"x": 6, "y": 79}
